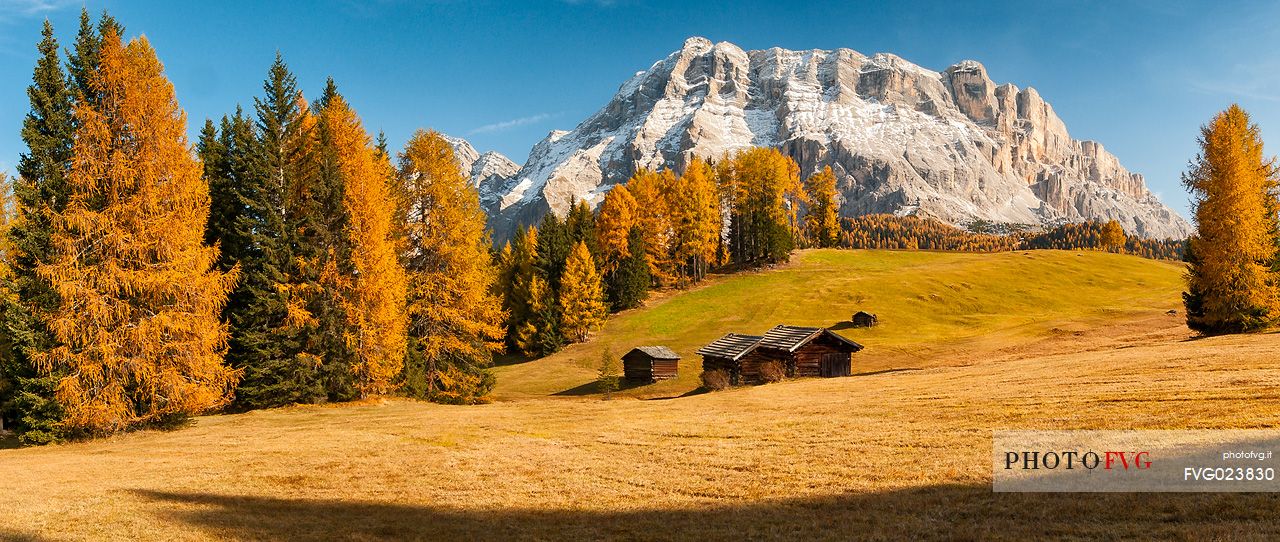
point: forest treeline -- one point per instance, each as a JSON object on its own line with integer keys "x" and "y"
{"x": 915, "y": 233}
{"x": 289, "y": 256}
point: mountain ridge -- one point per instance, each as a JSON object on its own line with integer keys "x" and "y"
{"x": 901, "y": 138}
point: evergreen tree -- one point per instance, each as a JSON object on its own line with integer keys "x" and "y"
{"x": 541, "y": 335}
{"x": 27, "y": 404}
{"x": 455, "y": 319}
{"x": 628, "y": 284}
{"x": 322, "y": 252}
{"x": 553, "y": 249}
{"x": 581, "y": 298}
{"x": 822, "y": 223}
{"x": 275, "y": 341}
{"x": 610, "y": 374}
{"x": 373, "y": 282}
{"x": 140, "y": 340}
{"x": 86, "y": 54}
{"x": 517, "y": 270}
{"x": 1233, "y": 185}
{"x": 580, "y": 226}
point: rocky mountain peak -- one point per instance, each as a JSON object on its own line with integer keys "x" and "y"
{"x": 903, "y": 139}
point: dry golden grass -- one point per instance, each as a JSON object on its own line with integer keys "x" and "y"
{"x": 897, "y": 454}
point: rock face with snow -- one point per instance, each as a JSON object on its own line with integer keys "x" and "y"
{"x": 488, "y": 172}
{"x": 901, "y": 139}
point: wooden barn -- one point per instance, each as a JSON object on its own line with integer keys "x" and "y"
{"x": 727, "y": 353}
{"x": 809, "y": 351}
{"x": 650, "y": 364}
{"x": 802, "y": 351}
{"x": 864, "y": 319}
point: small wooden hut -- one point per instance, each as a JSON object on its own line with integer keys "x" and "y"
{"x": 650, "y": 364}
{"x": 809, "y": 351}
{"x": 864, "y": 319}
{"x": 727, "y": 353}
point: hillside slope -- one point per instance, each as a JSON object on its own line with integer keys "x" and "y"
{"x": 934, "y": 308}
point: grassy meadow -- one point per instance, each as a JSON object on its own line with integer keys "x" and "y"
{"x": 935, "y": 308}
{"x": 968, "y": 344}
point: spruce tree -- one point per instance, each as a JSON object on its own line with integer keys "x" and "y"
{"x": 517, "y": 270}
{"x": 323, "y": 251}
{"x": 541, "y": 335}
{"x": 553, "y": 249}
{"x": 85, "y": 55}
{"x": 628, "y": 284}
{"x": 40, "y": 191}
{"x": 275, "y": 340}
{"x": 580, "y": 226}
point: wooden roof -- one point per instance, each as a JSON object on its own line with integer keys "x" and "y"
{"x": 655, "y": 352}
{"x": 791, "y": 338}
{"x": 731, "y": 346}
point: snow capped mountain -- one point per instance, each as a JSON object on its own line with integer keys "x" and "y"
{"x": 487, "y": 171}
{"x": 901, "y": 138}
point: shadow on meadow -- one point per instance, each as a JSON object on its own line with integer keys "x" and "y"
{"x": 964, "y": 512}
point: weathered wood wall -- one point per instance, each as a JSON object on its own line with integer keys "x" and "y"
{"x": 664, "y": 369}
{"x": 807, "y": 360}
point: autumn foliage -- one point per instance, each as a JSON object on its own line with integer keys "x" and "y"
{"x": 375, "y": 290}
{"x": 292, "y": 263}
{"x": 455, "y": 316}
{"x": 138, "y": 326}
{"x": 1232, "y": 281}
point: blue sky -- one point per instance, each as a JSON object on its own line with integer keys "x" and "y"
{"x": 1140, "y": 77}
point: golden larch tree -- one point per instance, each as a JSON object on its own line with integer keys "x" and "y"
{"x": 822, "y": 222}
{"x": 455, "y": 318}
{"x": 652, "y": 192}
{"x": 1232, "y": 284}
{"x": 1113, "y": 238}
{"x": 375, "y": 296}
{"x": 765, "y": 190}
{"x": 617, "y": 214}
{"x": 582, "y": 306}
{"x": 694, "y": 205}
{"x": 140, "y": 340}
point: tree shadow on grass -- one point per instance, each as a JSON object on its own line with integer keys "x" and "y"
{"x": 591, "y": 388}
{"x": 695, "y": 391}
{"x": 888, "y": 371}
{"x": 512, "y": 359}
{"x": 20, "y": 536}
{"x": 950, "y": 512}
